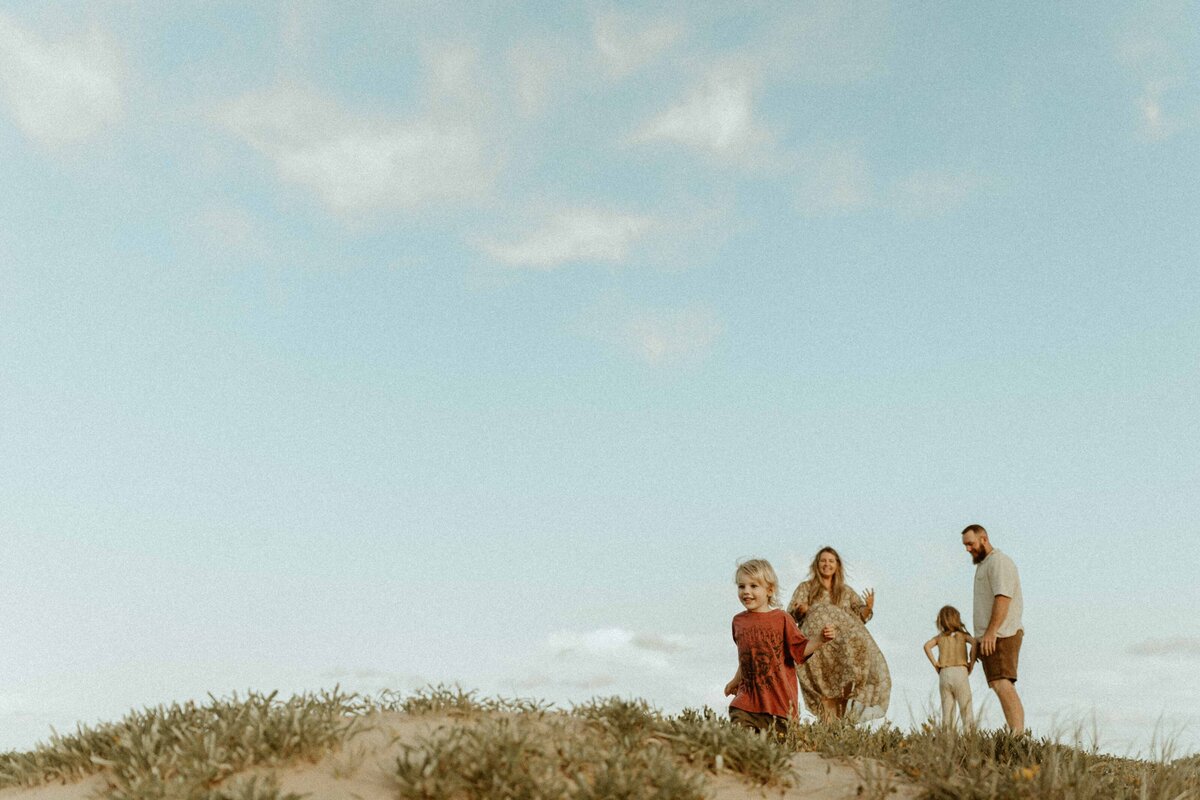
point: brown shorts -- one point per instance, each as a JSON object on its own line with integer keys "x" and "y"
{"x": 1002, "y": 663}
{"x": 758, "y": 721}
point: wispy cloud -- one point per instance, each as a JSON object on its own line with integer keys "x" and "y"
{"x": 371, "y": 679}
{"x": 1173, "y": 646}
{"x": 229, "y": 235}
{"x": 1152, "y": 51}
{"x": 718, "y": 117}
{"x": 573, "y": 236}
{"x": 354, "y": 164}
{"x": 615, "y": 645}
{"x": 1153, "y": 62}
{"x": 658, "y": 337}
{"x": 925, "y": 193}
{"x": 834, "y": 179}
{"x": 59, "y": 92}
{"x": 627, "y": 42}
{"x": 673, "y": 335}
{"x": 359, "y": 163}
{"x": 538, "y": 70}
{"x": 673, "y": 669}
{"x": 655, "y": 642}
{"x": 827, "y": 43}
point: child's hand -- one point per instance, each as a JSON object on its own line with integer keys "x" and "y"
{"x": 731, "y": 688}
{"x": 829, "y": 633}
{"x": 800, "y": 608}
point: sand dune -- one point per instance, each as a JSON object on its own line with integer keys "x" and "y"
{"x": 364, "y": 769}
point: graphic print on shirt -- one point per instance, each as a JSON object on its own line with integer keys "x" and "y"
{"x": 762, "y": 660}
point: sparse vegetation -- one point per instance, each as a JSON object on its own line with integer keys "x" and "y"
{"x": 228, "y": 749}
{"x": 186, "y": 751}
{"x": 995, "y": 765}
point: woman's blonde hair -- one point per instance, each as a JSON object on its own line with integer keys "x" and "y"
{"x": 761, "y": 570}
{"x": 814, "y": 577}
{"x": 949, "y": 621}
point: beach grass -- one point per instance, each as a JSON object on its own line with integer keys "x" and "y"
{"x": 231, "y": 748}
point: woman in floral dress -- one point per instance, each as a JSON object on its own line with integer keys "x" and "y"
{"x": 849, "y": 677}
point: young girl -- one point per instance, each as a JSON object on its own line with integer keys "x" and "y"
{"x": 769, "y": 648}
{"x": 953, "y": 665}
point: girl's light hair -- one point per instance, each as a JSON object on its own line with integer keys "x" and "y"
{"x": 814, "y": 577}
{"x": 949, "y": 621}
{"x": 760, "y": 569}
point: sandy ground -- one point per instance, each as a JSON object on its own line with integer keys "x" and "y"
{"x": 362, "y": 770}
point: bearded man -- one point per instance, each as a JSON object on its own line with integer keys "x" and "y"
{"x": 997, "y": 621}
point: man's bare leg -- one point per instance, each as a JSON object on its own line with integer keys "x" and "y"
{"x": 1010, "y": 704}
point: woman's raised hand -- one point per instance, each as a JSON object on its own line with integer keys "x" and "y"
{"x": 869, "y": 597}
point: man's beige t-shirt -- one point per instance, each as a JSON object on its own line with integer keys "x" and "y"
{"x": 997, "y": 574}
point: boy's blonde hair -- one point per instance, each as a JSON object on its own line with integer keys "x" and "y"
{"x": 949, "y": 621}
{"x": 761, "y": 570}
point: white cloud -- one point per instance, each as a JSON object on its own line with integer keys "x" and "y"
{"x": 59, "y": 92}
{"x": 827, "y": 42}
{"x": 225, "y": 236}
{"x": 718, "y": 117}
{"x": 658, "y": 337}
{"x": 655, "y": 642}
{"x": 1155, "y": 65}
{"x": 371, "y": 680}
{"x": 580, "y": 235}
{"x": 672, "y": 670}
{"x": 925, "y": 193}
{"x": 453, "y": 73}
{"x": 354, "y": 164}
{"x": 627, "y": 42}
{"x": 537, "y": 70}
{"x": 666, "y": 337}
{"x": 1155, "y": 51}
{"x": 834, "y": 179}
{"x": 615, "y": 647}
{"x": 1175, "y": 646}
{"x": 227, "y": 227}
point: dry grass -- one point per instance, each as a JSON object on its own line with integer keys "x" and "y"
{"x": 609, "y": 748}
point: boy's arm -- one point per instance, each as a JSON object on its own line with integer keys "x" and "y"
{"x": 929, "y": 653}
{"x": 733, "y": 685}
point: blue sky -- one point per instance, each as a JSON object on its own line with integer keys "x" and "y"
{"x": 387, "y": 343}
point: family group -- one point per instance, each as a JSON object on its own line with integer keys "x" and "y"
{"x": 822, "y": 643}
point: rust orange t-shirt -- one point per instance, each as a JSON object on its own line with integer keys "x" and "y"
{"x": 769, "y": 648}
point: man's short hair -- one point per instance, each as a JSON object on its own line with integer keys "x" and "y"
{"x": 978, "y": 530}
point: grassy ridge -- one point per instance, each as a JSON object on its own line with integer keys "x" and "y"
{"x": 609, "y": 748}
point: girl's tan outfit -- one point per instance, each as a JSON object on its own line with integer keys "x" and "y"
{"x": 954, "y": 683}
{"x": 848, "y": 674}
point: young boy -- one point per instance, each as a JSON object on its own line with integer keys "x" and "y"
{"x": 769, "y": 648}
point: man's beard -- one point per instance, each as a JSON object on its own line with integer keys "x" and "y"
{"x": 977, "y": 558}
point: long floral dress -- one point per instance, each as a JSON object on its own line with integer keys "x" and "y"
{"x": 848, "y": 674}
